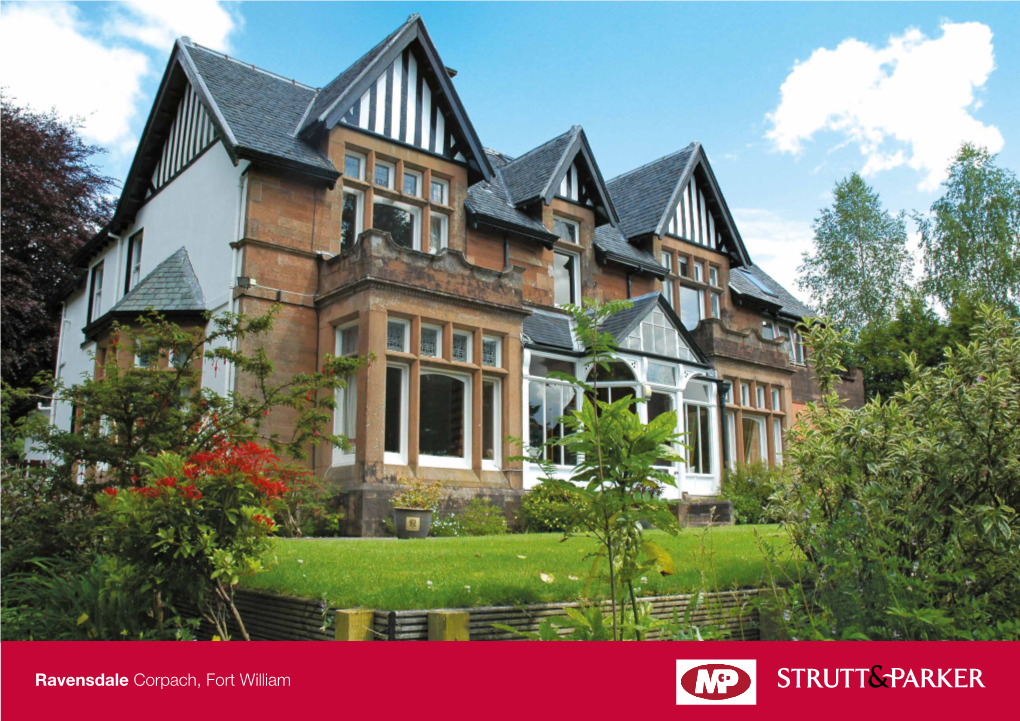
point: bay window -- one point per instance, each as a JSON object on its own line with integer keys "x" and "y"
{"x": 401, "y": 221}
{"x": 444, "y": 427}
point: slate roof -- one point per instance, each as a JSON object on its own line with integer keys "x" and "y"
{"x": 171, "y": 286}
{"x": 528, "y": 176}
{"x": 641, "y": 196}
{"x": 787, "y": 304}
{"x": 262, "y": 110}
{"x": 336, "y": 87}
{"x": 550, "y": 330}
{"x": 492, "y": 201}
{"x": 610, "y": 241}
{"x": 621, "y": 324}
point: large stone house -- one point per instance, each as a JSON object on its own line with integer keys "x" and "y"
{"x": 371, "y": 211}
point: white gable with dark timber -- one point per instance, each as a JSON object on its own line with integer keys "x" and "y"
{"x": 403, "y": 104}
{"x": 692, "y": 219}
{"x": 190, "y": 134}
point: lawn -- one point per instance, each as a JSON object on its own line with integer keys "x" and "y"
{"x": 388, "y": 574}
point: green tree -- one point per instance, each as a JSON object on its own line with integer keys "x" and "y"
{"x": 971, "y": 239}
{"x": 882, "y": 348}
{"x": 859, "y": 265}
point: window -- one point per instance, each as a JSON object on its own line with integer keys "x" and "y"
{"x": 399, "y": 220}
{"x": 667, "y": 261}
{"x": 755, "y": 443}
{"x": 412, "y": 183}
{"x": 715, "y": 306}
{"x": 345, "y": 417}
{"x": 462, "y": 347}
{"x": 728, "y": 394}
{"x": 760, "y": 396}
{"x": 713, "y": 276}
{"x": 567, "y": 230}
{"x": 745, "y": 395}
{"x": 565, "y": 278}
{"x": 384, "y": 174}
{"x": 431, "y": 341}
{"x": 667, "y": 291}
{"x": 438, "y": 224}
{"x": 491, "y": 422}
{"x": 440, "y": 192}
{"x": 691, "y": 305}
{"x": 799, "y": 347}
{"x": 685, "y": 268}
{"x": 549, "y": 399}
{"x": 395, "y": 431}
{"x": 134, "y": 262}
{"x": 768, "y": 330}
{"x": 775, "y": 399}
{"x": 661, "y": 374}
{"x": 777, "y": 439}
{"x": 354, "y": 166}
{"x": 731, "y": 440}
{"x": 699, "y": 272}
{"x": 492, "y": 352}
{"x": 786, "y": 335}
{"x": 351, "y": 218}
{"x": 147, "y": 358}
{"x": 396, "y": 335}
{"x": 655, "y": 334}
{"x": 445, "y": 420}
{"x": 697, "y": 418}
{"x": 759, "y": 284}
{"x": 96, "y": 293}
{"x": 658, "y": 404}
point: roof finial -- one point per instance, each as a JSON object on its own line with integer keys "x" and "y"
{"x": 412, "y": 17}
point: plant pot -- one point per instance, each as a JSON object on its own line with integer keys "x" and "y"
{"x": 412, "y": 522}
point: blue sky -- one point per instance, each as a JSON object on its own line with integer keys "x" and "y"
{"x": 885, "y": 88}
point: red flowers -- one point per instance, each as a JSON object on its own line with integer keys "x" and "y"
{"x": 190, "y": 492}
{"x": 166, "y": 482}
{"x": 110, "y": 491}
{"x": 259, "y": 518}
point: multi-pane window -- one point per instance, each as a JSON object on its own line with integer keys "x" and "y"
{"x": 395, "y": 430}
{"x": 354, "y": 166}
{"x": 134, "y": 262}
{"x": 461, "y": 347}
{"x": 440, "y": 191}
{"x": 491, "y": 422}
{"x": 431, "y": 341}
{"x": 399, "y": 220}
{"x": 713, "y": 275}
{"x": 760, "y": 396}
{"x": 566, "y": 230}
{"x": 412, "y": 183}
{"x": 491, "y": 352}
{"x": 565, "y": 278}
{"x": 351, "y": 217}
{"x": 775, "y": 399}
{"x": 444, "y": 437}
{"x": 549, "y": 399}
{"x": 384, "y": 174}
{"x": 396, "y": 335}
{"x": 345, "y": 417}
{"x": 692, "y": 305}
{"x": 655, "y": 334}
{"x": 438, "y": 225}
{"x": 697, "y": 417}
{"x": 96, "y": 293}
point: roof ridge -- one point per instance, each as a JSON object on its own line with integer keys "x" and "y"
{"x": 653, "y": 162}
{"x": 542, "y": 145}
{"x": 252, "y": 66}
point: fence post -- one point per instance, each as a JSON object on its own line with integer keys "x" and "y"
{"x": 449, "y": 626}
{"x": 354, "y": 624}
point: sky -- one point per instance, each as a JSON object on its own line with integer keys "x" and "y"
{"x": 786, "y": 98}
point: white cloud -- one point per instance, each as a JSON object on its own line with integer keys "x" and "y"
{"x": 775, "y": 244}
{"x": 52, "y": 57}
{"x": 908, "y": 103}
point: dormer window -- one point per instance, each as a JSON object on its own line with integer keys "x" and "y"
{"x": 440, "y": 192}
{"x": 384, "y": 174}
{"x": 567, "y": 230}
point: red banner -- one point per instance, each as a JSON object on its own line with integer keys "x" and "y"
{"x": 867, "y": 681}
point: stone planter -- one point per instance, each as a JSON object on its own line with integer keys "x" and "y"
{"x": 412, "y": 522}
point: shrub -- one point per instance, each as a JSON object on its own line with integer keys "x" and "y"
{"x": 750, "y": 487}
{"x": 906, "y": 510}
{"x": 482, "y": 517}
{"x": 417, "y": 494}
{"x": 547, "y": 509}
{"x": 443, "y": 527}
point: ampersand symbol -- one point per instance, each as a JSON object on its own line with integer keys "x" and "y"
{"x": 876, "y": 677}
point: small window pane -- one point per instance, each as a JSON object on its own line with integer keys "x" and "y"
{"x": 541, "y": 366}
{"x": 565, "y": 230}
{"x": 667, "y": 291}
{"x": 439, "y": 192}
{"x": 437, "y": 233}
{"x": 489, "y": 420}
{"x": 698, "y": 272}
{"x": 352, "y": 166}
{"x": 715, "y": 306}
{"x": 382, "y": 175}
{"x": 667, "y": 261}
{"x": 441, "y": 429}
{"x": 661, "y": 374}
{"x": 684, "y": 268}
{"x": 490, "y": 352}
{"x": 536, "y": 414}
{"x": 349, "y": 220}
{"x": 713, "y": 276}
{"x": 564, "y": 278}
{"x": 768, "y": 330}
{"x": 697, "y": 392}
{"x": 399, "y": 223}
{"x": 396, "y": 334}
{"x": 430, "y": 342}
{"x": 760, "y": 397}
{"x": 690, "y": 314}
{"x": 775, "y": 399}
{"x": 349, "y": 341}
{"x": 754, "y": 437}
{"x": 460, "y": 347}
{"x": 410, "y": 184}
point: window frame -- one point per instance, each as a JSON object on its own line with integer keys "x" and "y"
{"x": 666, "y": 261}
{"x": 445, "y": 192}
{"x": 759, "y": 398}
{"x": 777, "y": 440}
{"x": 699, "y": 272}
{"x": 570, "y": 223}
{"x": 575, "y": 281}
{"x": 406, "y": 325}
{"x": 776, "y": 400}
{"x": 763, "y": 441}
{"x": 392, "y": 174}
{"x": 713, "y": 276}
{"x": 96, "y": 273}
{"x": 444, "y": 232}
{"x": 667, "y": 290}
{"x": 497, "y": 425}
{"x": 359, "y": 216}
{"x": 398, "y": 458}
{"x": 343, "y": 396}
{"x": 469, "y": 336}
{"x": 544, "y": 381}
{"x": 745, "y": 395}
{"x": 133, "y": 261}
{"x": 413, "y": 210}
{"x": 439, "y": 340}
{"x": 418, "y": 182}
{"x": 445, "y": 461}
{"x": 715, "y": 309}
{"x": 362, "y": 164}
{"x": 499, "y": 351}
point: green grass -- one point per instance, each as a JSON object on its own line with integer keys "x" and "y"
{"x": 388, "y": 574}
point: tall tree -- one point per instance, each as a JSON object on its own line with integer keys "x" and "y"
{"x": 859, "y": 265}
{"x": 53, "y": 200}
{"x": 971, "y": 239}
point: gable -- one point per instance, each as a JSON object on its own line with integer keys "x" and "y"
{"x": 650, "y": 326}
{"x": 190, "y": 134}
